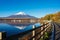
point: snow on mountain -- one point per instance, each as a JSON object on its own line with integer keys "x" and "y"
{"x": 20, "y": 13}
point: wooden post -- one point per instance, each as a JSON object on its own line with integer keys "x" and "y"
{"x": 2, "y": 35}
{"x": 42, "y": 32}
{"x": 45, "y": 27}
{"x": 33, "y": 32}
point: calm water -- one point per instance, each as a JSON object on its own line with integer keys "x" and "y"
{"x": 15, "y": 29}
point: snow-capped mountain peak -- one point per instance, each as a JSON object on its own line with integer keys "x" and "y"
{"x": 20, "y": 13}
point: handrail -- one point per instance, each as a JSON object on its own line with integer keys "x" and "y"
{"x": 20, "y": 35}
{"x": 38, "y": 33}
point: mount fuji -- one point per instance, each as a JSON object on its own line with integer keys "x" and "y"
{"x": 20, "y": 15}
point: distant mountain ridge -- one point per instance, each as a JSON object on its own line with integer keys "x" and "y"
{"x": 20, "y": 15}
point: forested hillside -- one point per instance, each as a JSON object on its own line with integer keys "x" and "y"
{"x": 54, "y": 17}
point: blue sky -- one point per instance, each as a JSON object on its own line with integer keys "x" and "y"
{"x": 37, "y": 8}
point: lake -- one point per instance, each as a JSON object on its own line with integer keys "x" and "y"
{"x": 15, "y": 29}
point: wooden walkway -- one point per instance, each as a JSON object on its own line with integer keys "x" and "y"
{"x": 57, "y": 30}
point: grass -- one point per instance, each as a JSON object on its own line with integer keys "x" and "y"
{"x": 47, "y": 35}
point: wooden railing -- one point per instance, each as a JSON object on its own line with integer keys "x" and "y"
{"x": 34, "y": 34}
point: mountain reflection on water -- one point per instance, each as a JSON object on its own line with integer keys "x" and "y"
{"x": 15, "y": 29}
